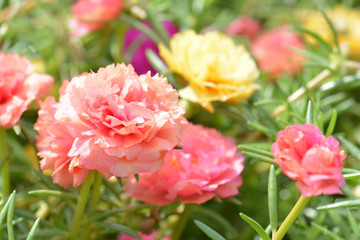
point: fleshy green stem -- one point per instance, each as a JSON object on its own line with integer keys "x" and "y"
{"x": 95, "y": 196}
{"x": 80, "y": 207}
{"x": 181, "y": 224}
{"x": 5, "y": 170}
{"x": 295, "y": 212}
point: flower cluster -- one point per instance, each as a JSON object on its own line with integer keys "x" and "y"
{"x": 208, "y": 165}
{"x": 113, "y": 121}
{"x": 307, "y": 156}
{"x": 19, "y": 86}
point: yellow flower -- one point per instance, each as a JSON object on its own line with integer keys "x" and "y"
{"x": 346, "y": 23}
{"x": 216, "y": 69}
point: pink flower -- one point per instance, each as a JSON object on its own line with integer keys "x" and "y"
{"x": 112, "y": 121}
{"x": 244, "y": 26}
{"x": 137, "y": 38}
{"x": 123, "y": 236}
{"x": 273, "y": 53}
{"x": 307, "y": 156}
{"x": 90, "y": 15}
{"x": 19, "y": 86}
{"x": 208, "y": 165}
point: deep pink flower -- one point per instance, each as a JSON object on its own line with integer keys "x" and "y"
{"x": 113, "y": 121}
{"x": 142, "y": 42}
{"x": 272, "y": 50}
{"x": 123, "y": 236}
{"x": 90, "y": 15}
{"x": 19, "y": 86}
{"x": 244, "y": 26}
{"x": 305, "y": 155}
{"x": 208, "y": 165}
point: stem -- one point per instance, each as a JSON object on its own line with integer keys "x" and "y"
{"x": 5, "y": 170}
{"x": 80, "y": 207}
{"x": 295, "y": 212}
{"x": 95, "y": 196}
{"x": 181, "y": 224}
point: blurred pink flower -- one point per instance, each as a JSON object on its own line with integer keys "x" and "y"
{"x": 272, "y": 50}
{"x": 90, "y": 15}
{"x": 142, "y": 42}
{"x": 112, "y": 121}
{"x": 123, "y": 236}
{"x": 244, "y": 26}
{"x": 19, "y": 86}
{"x": 208, "y": 165}
{"x": 307, "y": 156}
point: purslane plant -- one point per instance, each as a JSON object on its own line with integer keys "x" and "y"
{"x": 114, "y": 123}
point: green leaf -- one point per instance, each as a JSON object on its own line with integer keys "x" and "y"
{"x": 137, "y": 177}
{"x": 353, "y": 149}
{"x": 267, "y": 102}
{"x": 14, "y": 222}
{"x": 314, "y": 35}
{"x": 217, "y": 218}
{"x": 33, "y": 229}
{"x": 351, "y": 175}
{"x": 46, "y": 181}
{"x": 353, "y": 223}
{"x": 333, "y": 31}
{"x": 255, "y": 150}
{"x": 52, "y": 193}
{"x": 209, "y": 231}
{"x": 159, "y": 28}
{"x": 140, "y": 26}
{"x": 119, "y": 228}
{"x": 332, "y": 123}
{"x": 259, "y": 157}
{"x": 156, "y": 62}
{"x": 326, "y": 232}
{"x": 312, "y": 56}
{"x": 261, "y": 128}
{"x": 10, "y": 217}
{"x": 309, "y": 113}
{"x": 256, "y": 226}
{"x": 48, "y": 233}
{"x": 272, "y": 199}
{"x": 30, "y": 216}
{"x": 342, "y": 204}
{"x": 5, "y": 209}
{"x": 104, "y": 215}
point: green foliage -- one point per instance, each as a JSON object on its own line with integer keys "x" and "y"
{"x": 40, "y": 209}
{"x": 209, "y": 231}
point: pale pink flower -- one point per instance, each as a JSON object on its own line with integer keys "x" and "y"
{"x": 91, "y": 15}
{"x": 54, "y": 142}
{"x": 151, "y": 236}
{"x": 19, "y": 86}
{"x": 305, "y": 155}
{"x": 112, "y": 121}
{"x": 208, "y": 165}
{"x": 244, "y": 26}
{"x": 273, "y": 51}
